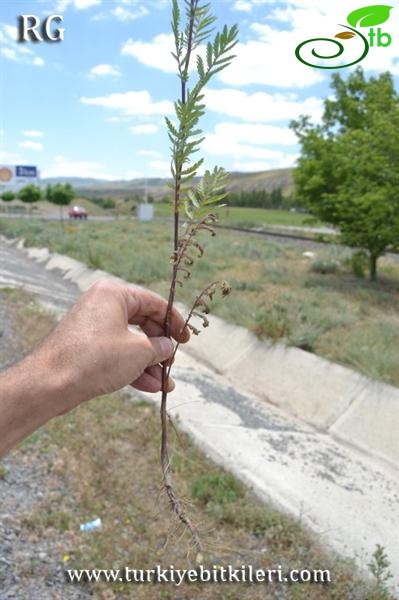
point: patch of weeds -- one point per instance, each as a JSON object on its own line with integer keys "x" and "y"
{"x": 299, "y": 321}
{"x": 360, "y": 263}
{"x": 324, "y": 267}
{"x": 373, "y": 351}
{"x": 217, "y": 488}
{"x": 379, "y": 567}
{"x": 141, "y": 402}
{"x": 3, "y": 472}
{"x": 245, "y": 286}
{"x": 273, "y": 321}
{"x": 263, "y": 521}
{"x": 49, "y": 517}
{"x": 249, "y": 249}
{"x": 94, "y": 258}
{"x": 145, "y": 268}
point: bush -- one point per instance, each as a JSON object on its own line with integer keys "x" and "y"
{"x": 106, "y": 203}
{"x": 8, "y": 196}
{"x": 324, "y": 266}
{"x": 360, "y": 263}
{"x": 30, "y": 194}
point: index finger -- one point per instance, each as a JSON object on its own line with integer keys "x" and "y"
{"x": 144, "y": 305}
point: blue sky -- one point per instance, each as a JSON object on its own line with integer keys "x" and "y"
{"x": 93, "y": 105}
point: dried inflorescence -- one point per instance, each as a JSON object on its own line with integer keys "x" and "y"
{"x": 201, "y": 306}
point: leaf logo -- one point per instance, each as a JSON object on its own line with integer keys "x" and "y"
{"x": 345, "y": 35}
{"x": 369, "y": 15}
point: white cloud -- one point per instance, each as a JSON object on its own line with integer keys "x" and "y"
{"x": 261, "y": 106}
{"x": 145, "y": 129}
{"x": 271, "y": 62}
{"x": 104, "y": 70}
{"x": 9, "y": 53}
{"x": 258, "y": 134}
{"x": 10, "y": 49}
{"x": 124, "y": 11}
{"x": 11, "y": 32}
{"x": 159, "y": 168}
{"x": 115, "y": 119}
{"x": 124, "y": 14}
{"x": 29, "y": 145}
{"x": 131, "y": 103}
{"x": 32, "y": 133}
{"x": 62, "y": 5}
{"x": 11, "y": 157}
{"x": 63, "y": 167}
{"x": 258, "y": 165}
{"x": 213, "y": 146}
{"x": 264, "y": 59}
{"x": 244, "y": 141}
{"x": 156, "y": 53}
{"x": 243, "y": 5}
{"x": 82, "y": 4}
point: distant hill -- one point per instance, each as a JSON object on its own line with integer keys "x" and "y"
{"x": 157, "y": 186}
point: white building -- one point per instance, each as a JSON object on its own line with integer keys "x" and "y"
{"x": 14, "y": 177}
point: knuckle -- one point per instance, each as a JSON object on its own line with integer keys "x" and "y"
{"x": 104, "y": 285}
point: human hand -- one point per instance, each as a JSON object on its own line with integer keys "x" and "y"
{"x": 93, "y": 351}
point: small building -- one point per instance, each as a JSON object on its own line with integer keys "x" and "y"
{"x": 15, "y": 177}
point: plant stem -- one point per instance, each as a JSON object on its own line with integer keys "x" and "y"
{"x": 175, "y": 503}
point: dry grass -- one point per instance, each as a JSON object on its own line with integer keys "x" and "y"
{"x": 27, "y": 323}
{"x": 108, "y": 453}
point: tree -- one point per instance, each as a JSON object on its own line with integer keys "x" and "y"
{"x": 61, "y": 195}
{"x": 8, "y": 196}
{"x": 348, "y": 173}
{"x": 30, "y": 194}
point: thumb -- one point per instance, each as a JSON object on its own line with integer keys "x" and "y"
{"x": 152, "y": 350}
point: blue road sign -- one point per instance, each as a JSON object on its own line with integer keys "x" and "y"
{"x": 23, "y": 171}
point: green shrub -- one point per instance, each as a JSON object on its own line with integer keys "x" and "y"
{"x": 273, "y": 321}
{"x": 106, "y": 203}
{"x": 379, "y": 567}
{"x": 360, "y": 263}
{"x": 324, "y": 266}
{"x": 217, "y": 488}
{"x": 8, "y": 196}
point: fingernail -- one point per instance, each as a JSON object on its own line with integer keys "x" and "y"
{"x": 166, "y": 346}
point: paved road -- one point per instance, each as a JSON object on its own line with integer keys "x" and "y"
{"x": 348, "y": 498}
{"x": 49, "y": 286}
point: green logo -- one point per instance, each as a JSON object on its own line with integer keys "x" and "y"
{"x": 369, "y": 16}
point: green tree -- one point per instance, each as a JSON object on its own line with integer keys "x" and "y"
{"x": 8, "y": 196}
{"x": 61, "y": 195}
{"x": 348, "y": 173}
{"x": 30, "y": 194}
